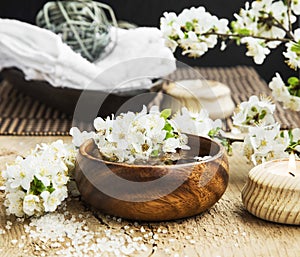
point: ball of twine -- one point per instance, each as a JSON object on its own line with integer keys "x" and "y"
{"x": 82, "y": 24}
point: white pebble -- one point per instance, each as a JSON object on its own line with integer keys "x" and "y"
{"x": 14, "y": 241}
{"x": 167, "y": 250}
{"x": 192, "y": 241}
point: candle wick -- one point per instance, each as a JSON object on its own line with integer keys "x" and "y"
{"x": 292, "y": 174}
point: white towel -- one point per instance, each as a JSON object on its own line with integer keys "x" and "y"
{"x": 139, "y": 55}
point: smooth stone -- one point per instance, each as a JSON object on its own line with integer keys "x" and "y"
{"x": 211, "y": 95}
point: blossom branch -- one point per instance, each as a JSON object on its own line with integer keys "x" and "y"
{"x": 278, "y": 24}
{"x": 232, "y": 36}
{"x": 289, "y": 6}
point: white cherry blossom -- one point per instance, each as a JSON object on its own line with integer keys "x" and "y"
{"x": 46, "y": 169}
{"x": 281, "y": 94}
{"x": 293, "y": 58}
{"x": 31, "y": 205}
{"x": 295, "y": 6}
{"x": 255, "y": 111}
{"x": 136, "y": 137}
{"x": 265, "y": 143}
{"x": 80, "y": 137}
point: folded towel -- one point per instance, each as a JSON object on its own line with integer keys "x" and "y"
{"x": 139, "y": 56}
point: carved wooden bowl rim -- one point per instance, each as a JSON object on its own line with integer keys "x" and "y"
{"x": 90, "y": 143}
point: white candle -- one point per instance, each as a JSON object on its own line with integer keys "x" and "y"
{"x": 272, "y": 191}
{"x": 283, "y": 167}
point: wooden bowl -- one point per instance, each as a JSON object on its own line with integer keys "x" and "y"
{"x": 66, "y": 99}
{"x": 153, "y": 193}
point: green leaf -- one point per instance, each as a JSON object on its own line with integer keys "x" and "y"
{"x": 50, "y": 189}
{"x": 294, "y": 81}
{"x": 232, "y": 24}
{"x": 155, "y": 153}
{"x": 37, "y": 186}
{"x": 290, "y": 135}
{"x": 213, "y": 132}
{"x": 168, "y": 127}
{"x": 296, "y": 47}
{"x": 169, "y": 135}
{"x": 166, "y": 113}
{"x": 244, "y": 32}
{"x": 189, "y": 26}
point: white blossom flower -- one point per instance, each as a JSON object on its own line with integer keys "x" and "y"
{"x": 31, "y": 205}
{"x": 170, "y": 29}
{"x": 19, "y": 175}
{"x": 281, "y": 94}
{"x": 196, "y": 123}
{"x": 191, "y": 30}
{"x": 80, "y": 137}
{"x": 293, "y": 56}
{"x": 254, "y": 111}
{"x": 296, "y": 134}
{"x": 265, "y": 143}
{"x": 256, "y": 49}
{"x": 279, "y": 90}
{"x": 295, "y": 6}
{"x": 136, "y": 137}
{"x": 52, "y": 200}
{"x": 46, "y": 169}
{"x": 14, "y": 203}
{"x": 103, "y": 126}
{"x": 171, "y": 144}
{"x": 293, "y": 103}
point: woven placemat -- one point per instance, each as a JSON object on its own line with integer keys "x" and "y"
{"x": 22, "y": 115}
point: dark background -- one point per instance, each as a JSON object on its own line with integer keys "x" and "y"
{"x": 148, "y": 13}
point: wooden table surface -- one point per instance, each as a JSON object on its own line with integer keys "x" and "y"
{"x": 227, "y": 229}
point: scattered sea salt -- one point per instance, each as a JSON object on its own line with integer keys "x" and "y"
{"x": 192, "y": 241}
{"x": 72, "y": 237}
{"x": 202, "y": 158}
{"x": 14, "y": 241}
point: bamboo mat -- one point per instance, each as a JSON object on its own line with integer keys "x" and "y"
{"x": 22, "y": 115}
